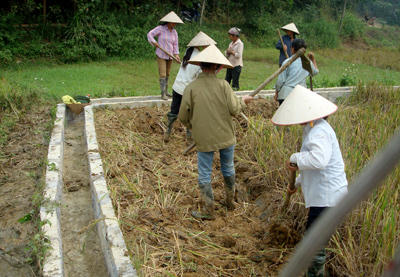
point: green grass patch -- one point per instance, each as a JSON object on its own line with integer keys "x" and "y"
{"x": 140, "y": 77}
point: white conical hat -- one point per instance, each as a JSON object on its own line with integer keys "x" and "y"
{"x": 291, "y": 27}
{"x": 171, "y": 17}
{"x": 201, "y": 39}
{"x": 301, "y": 106}
{"x": 211, "y": 55}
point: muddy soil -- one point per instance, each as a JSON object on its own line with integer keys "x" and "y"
{"x": 22, "y": 169}
{"x": 154, "y": 190}
{"x": 81, "y": 245}
{"x": 22, "y": 174}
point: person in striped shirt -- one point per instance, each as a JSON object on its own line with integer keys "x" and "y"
{"x": 167, "y": 38}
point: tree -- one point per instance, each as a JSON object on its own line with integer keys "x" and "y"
{"x": 341, "y": 20}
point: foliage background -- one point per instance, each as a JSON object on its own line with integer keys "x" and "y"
{"x": 88, "y": 30}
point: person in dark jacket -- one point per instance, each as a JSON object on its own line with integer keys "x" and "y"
{"x": 291, "y": 32}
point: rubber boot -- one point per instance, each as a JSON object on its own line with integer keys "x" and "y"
{"x": 208, "y": 198}
{"x": 317, "y": 267}
{"x": 189, "y": 138}
{"x": 166, "y": 87}
{"x": 230, "y": 191}
{"x": 162, "y": 87}
{"x": 171, "y": 120}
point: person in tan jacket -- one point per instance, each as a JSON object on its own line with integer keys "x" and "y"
{"x": 207, "y": 107}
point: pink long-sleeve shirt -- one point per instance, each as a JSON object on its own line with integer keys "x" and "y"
{"x": 167, "y": 39}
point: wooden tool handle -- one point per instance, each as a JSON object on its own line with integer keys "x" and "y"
{"x": 266, "y": 82}
{"x": 291, "y": 187}
{"x": 280, "y": 37}
{"x": 279, "y": 71}
{"x": 169, "y": 54}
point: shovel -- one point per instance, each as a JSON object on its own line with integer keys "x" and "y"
{"x": 298, "y": 54}
{"x": 291, "y": 187}
{"x": 306, "y": 63}
{"x": 169, "y": 54}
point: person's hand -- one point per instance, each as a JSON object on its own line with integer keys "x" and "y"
{"x": 291, "y": 166}
{"x": 310, "y": 55}
{"x": 178, "y": 59}
{"x": 291, "y": 191}
{"x": 156, "y": 45}
{"x": 247, "y": 99}
{"x": 285, "y": 47}
{"x": 276, "y": 96}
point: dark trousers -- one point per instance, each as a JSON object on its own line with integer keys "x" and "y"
{"x": 176, "y": 102}
{"x": 313, "y": 214}
{"x": 317, "y": 267}
{"x": 233, "y": 74}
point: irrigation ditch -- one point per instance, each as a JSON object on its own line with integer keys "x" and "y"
{"x": 85, "y": 232}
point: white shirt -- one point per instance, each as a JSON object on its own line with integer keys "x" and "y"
{"x": 186, "y": 75}
{"x": 321, "y": 166}
{"x": 237, "y": 58}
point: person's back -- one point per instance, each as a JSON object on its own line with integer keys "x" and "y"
{"x": 213, "y": 103}
{"x": 329, "y": 173}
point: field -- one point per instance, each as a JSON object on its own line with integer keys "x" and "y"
{"x": 159, "y": 228}
{"x": 154, "y": 189}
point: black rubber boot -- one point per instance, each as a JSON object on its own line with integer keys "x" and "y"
{"x": 317, "y": 267}
{"x": 162, "y": 87}
{"x": 166, "y": 87}
{"x": 171, "y": 120}
{"x": 208, "y": 198}
{"x": 230, "y": 191}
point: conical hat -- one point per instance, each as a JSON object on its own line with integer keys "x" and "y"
{"x": 301, "y": 106}
{"x": 171, "y": 17}
{"x": 291, "y": 27}
{"x": 211, "y": 55}
{"x": 201, "y": 39}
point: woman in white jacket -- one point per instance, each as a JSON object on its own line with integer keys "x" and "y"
{"x": 187, "y": 73}
{"x": 322, "y": 176}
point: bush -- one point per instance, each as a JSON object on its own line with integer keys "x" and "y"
{"x": 353, "y": 26}
{"x": 321, "y": 33}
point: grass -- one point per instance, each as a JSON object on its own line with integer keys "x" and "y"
{"x": 367, "y": 240}
{"x": 140, "y": 77}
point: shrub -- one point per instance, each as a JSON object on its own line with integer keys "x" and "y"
{"x": 353, "y": 26}
{"x": 321, "y": 33}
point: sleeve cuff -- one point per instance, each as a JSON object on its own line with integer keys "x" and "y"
{"x": 293, "y": 158}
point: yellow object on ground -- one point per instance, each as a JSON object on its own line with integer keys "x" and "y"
{"x": 69, "y": 100}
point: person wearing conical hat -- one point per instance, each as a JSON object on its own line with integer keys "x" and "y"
{"x": 291, "y": 32}
{"x": 207, "y": 107}
{"x": 294, "y": 74}
{"x": 167, "y": 40}
{"x": 187, "y": 73}
{"x": 234, "y": 53}
{"x": 322, "y": 176}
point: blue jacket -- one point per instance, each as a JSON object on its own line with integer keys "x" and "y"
{"x": 288, "y": 42}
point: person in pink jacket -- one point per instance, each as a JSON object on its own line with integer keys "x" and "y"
{"x": 167, "y": 40}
